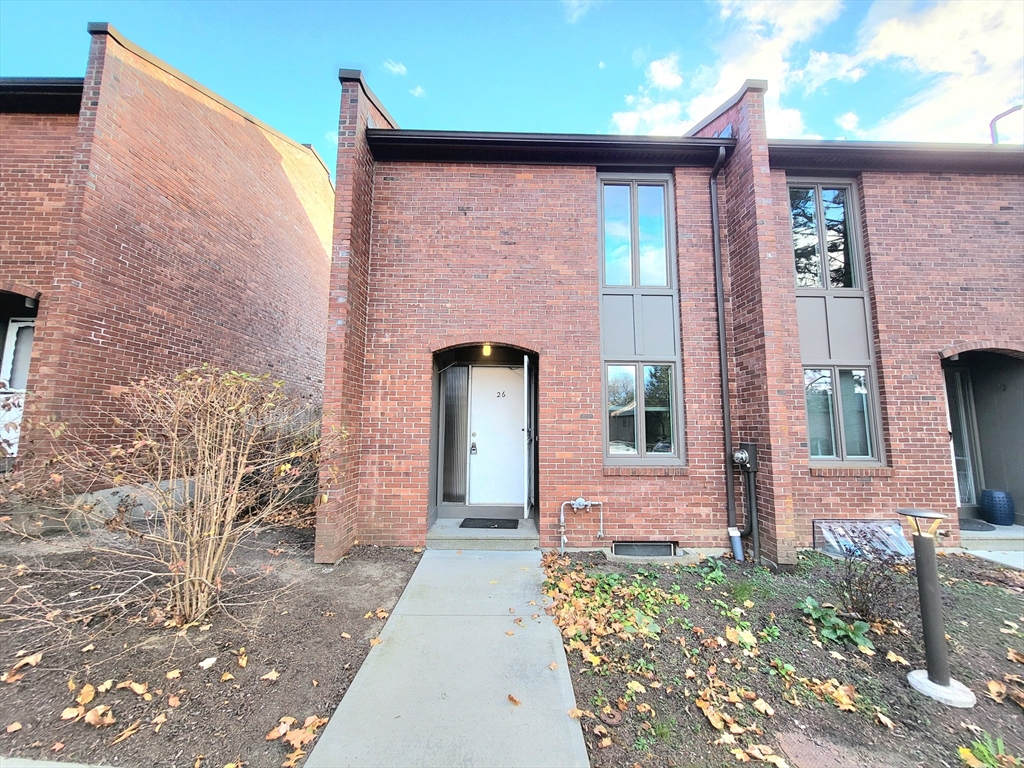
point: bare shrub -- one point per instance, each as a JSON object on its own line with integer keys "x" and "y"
{"x": 870, "y": 582}
{"x": 196, "y": 461}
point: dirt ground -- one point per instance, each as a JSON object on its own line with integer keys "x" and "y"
{"x": 285, "y": 612}
{"x": 645, "y": 695}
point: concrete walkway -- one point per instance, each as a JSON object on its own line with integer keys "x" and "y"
{"x": 435, "y": 691}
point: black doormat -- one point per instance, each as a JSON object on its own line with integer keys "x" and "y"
{"x": 970, "y": 524}
{"x": 483, "y": 522}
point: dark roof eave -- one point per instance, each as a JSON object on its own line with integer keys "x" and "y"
{"x": 857, "y": 156}
{"x": 543, "y": 148}
{"x": 41, "y": 95}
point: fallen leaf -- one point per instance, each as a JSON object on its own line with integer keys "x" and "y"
{"x": 510, "y": 633}
{"x": 763, "y": 707}
{"x": 293, "y": 759}
{"x": 173, "y": 701}
{"x": 553, "y": 665}
{"x": 158, "y": 721}
{"x": 996, "y": 691}
{"x": 139, "y": 688}
{"x": 576, "y": 713}
{"x": 346, "y": 635}
{"x": 105, "y": 686}
{"x": 89, "y": 647}
{"x": 883, "y": 720}
{"x": 207, "y": 663}
{"x": 243, "y": 658}
{"x": 636, "y": 687}
{"x": 29, "y": 661}
{"x": 57, "y": 747}
{"x": 87, "y": 694}
{"x": 13, "y": 727}
{"x": 896, "y": 659}
{"x": 969, "y": 759}
{"x": 515, "y": 702}
{"x": 271, "y": 675}
{"x": 740, "y": 755}
{"x": 605, "y": 742}
{"x": 131, "y": 730}
{"x": 298, "y": 738}
{"x": 11, "y": 678}
{"x": 315, "y": 683}
{"x": 277, "y": 731}
{"x": 417, "y": 550}
{"x": 837, "y": 655}
{"x": 865, "y": 650}
{"x": 375, "y": 641}
{"x": 174, "y": 674}
{"x": 314, "y": 722}
{"x": 226, "y": 677}
{"x": 1014, "y": 655}
{"x": 99, "y": 717}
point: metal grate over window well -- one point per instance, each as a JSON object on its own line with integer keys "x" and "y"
{"x": 643, "y": 548}
{"x": 861, "y": 538}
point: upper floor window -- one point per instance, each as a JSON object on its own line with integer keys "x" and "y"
{"x": 821, "y": 236}
{"x": 635, "y": 234}
{"x": 834, "y": 318}
{"x": 639, "y": 322}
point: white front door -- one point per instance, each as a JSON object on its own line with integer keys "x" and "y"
{"x": 15, "y": 353}
{"x": 497, "y": 433}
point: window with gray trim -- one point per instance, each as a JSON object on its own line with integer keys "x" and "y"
{"x": 835, "y": 321}
{"x": 641, "y": 382}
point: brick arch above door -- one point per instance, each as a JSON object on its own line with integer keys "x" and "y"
{"x": 497, "y": 339}
{"x": 1011, "y": 348}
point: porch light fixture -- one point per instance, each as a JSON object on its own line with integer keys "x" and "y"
{"x": 935, "y": 682}
{"x": 487, "y": 350}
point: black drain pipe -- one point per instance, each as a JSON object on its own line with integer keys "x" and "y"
{"x": 723, "y": 360}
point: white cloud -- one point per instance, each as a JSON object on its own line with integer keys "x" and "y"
{"x": 600, "y": 65}
{"x": 663, "y": 74}
{"x": 968, "y": 56}
{"x": 576, "y": 9}
{"x": 331, "y": 137}
{"x": 396, "y": 68}
{"x": 971, "y": 53}
{"x": 761, "y": 38}
{"x": 418, "y": 92}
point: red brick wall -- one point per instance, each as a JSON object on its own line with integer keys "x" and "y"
{"x": 945, "y": 268}
{"x": 474, "y": 253}
{"x": 191, "y": 235}
{"x": 35, "y": 163}
{"x": 346, "y": 322}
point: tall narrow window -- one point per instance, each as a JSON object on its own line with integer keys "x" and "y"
{"x": 834, "y": 319}
{"x": 639, "y": 321}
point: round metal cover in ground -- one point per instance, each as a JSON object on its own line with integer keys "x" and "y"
{"x": 611, "y": 717}
{"x": 956, "y": 694}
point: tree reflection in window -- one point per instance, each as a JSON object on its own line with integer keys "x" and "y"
{"x": 810, "y": 207}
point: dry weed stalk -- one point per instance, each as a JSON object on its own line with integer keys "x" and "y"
{"x": 209, "y": 455}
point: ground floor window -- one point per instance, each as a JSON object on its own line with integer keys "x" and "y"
{"x": 640, "y": 405}
{"x": 839, "y": 413}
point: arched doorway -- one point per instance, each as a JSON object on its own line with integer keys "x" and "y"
{"x": 985, "y": 397}
{"x": 485, "y": 461}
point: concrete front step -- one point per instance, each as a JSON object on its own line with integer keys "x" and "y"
{"x": 446, "y": 534}
{"x": 1006, "y": 538}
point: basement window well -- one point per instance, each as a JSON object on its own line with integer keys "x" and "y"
{"x": 644, "y": 548}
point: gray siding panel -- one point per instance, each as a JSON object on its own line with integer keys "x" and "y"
{"x": 617, "y": 334}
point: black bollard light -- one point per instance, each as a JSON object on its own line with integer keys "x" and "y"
{"x": 935, "y": 682}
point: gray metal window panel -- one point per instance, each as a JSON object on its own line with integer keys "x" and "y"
{"x": 848, "y": 329}
{"x": 811, "y": 319}
{"x": 659, "y": 333}
{"x": 617, "y": 329}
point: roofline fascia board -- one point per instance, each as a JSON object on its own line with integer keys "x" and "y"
{"x": 356, "y": 75}
{"x": 103, "y": 28}
{"x": 815, "y": 156}
{"x": 41, "y": 95}
{"x": 759, "y": 86}
{"x": 543, "y": 149}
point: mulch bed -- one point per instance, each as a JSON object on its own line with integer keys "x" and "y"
{"x": 644, "y": 695}
{"x": 287, "y": 613}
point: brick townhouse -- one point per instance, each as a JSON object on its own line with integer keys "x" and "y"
{"x": 517, "y": 320}
{"x": 148, "y": 225}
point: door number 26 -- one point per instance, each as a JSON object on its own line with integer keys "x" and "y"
{"x": 501, "y": 394}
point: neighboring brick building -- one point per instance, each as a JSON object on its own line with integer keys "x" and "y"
{"x": 518, "y": 319}
{"x": 147, "y": 225}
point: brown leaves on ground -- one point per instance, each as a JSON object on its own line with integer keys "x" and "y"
{"x": 896, "y": 659}
{"x": 843, "y": 696}
{"x": 87, "y": 694}
{"x": 131, "y": 730}
{"x": 515, "y": 702}
{"x": 883, "y": 720}
{"x": 272, "y": 675}
{"x": 296, "y": 738}
{"x": 12, "y": 676}
{"x": 14, "y": 727}
{"x": 100, "y": 716}
{"x": 1014, "y": 655}
{"x": 996, "y": 691}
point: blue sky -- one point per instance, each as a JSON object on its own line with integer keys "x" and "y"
{"x": 893, "y": 70}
